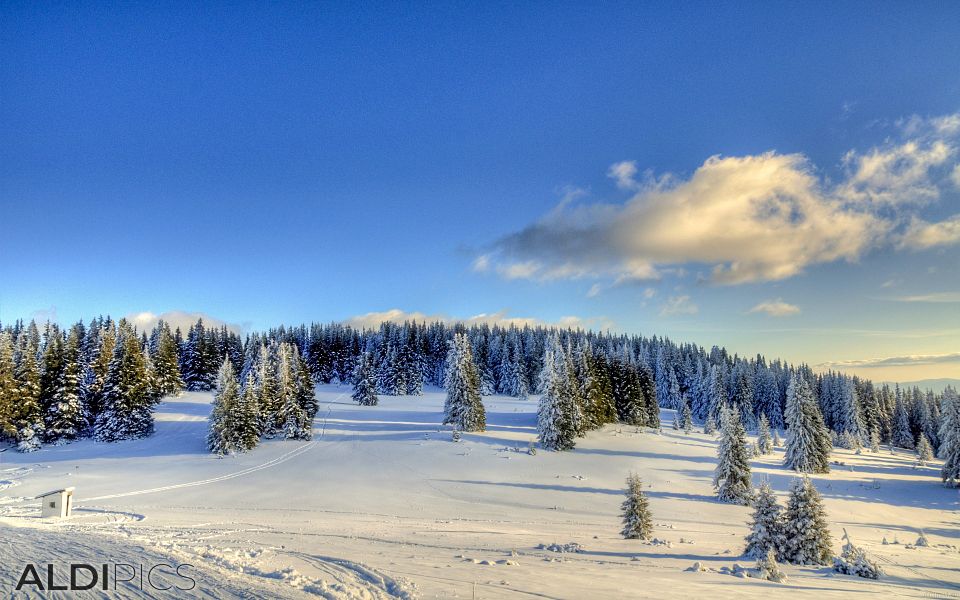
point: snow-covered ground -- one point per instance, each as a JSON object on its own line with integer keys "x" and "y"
{"x": 382, "y": 504}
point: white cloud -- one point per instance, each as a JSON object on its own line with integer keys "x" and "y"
{"x": 594, "y": 290}
{"x": 921, "y": 235}
{"x": 44, "y": 315}
{"x": 776, "y": 308}
{"x": 624, "y": 173}
{"x": 678, "y": 305}
{"x": 649, "y": 293}
{"x": 481, "y": 264}
{"x": 894, "y": 361}
{"x": 372, "y": 320}
{"x": 145, "y": 321}
{"x": 762, "y": 217}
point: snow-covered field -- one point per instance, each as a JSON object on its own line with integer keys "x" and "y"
{"x": 382, "y": 504}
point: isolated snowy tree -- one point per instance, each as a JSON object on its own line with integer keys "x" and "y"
{"x": 805, "y": 526}
{"x": 710, "y": 425}
{"x": 365, "y": 382}
{"x": 950, "y": 437}
{"x": 557, "y": 411}
{"x": 764, "y": 441}
{"x": 464, "y": 406}
{"x": 808, "y": 441}
{"x": 686, "y": 418}
{"x": 924, "y": 450}
{"x": 637, "y": 519}
{"x": 222, "y": 434}
{"x": 854, "y": 561}
{"x": 766, "y": 526}
{"x": 768, "y": 569}
{"x": 732, "y": 476}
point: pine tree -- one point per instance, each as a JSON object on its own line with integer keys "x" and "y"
{"x": 293, "y": 418}
{"x": 268, "y": 393}
{"x": 463, "y": 407}
{"x": 64, "y": 418}
{"x": 732, "y": 476}
{"x": 686, "y": 418}
{"x": 556, "y": 421}
{"x": 854, "y": 561}
{"x": 901, "y": 435}
{"x": 637, "y": 519}
{"x": 950, "y": 437}
{"x": 27, "y": 415}
{"x": 247, "y": 423}
{"x": 808, "y": 441}
{"x": 8, "y": 387}
{"x": 766, "y": 526}
{"x": 710, "y": 426}
{"x": 768, "y": 569}
{"x": 166, "y": 365}
{"x": 924, "y": 450}
{"x": 806, "y": 531}
{"x": 764, "y": 441}
{"x": 365, "y": 382}
{"x": 127, "y": 399}
{"x": 223, "y": 432}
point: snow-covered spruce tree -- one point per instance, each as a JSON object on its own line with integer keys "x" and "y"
{"x": 808, "y": 440}
{"x": 637, "y": 519}
{"x": 247, "y": 423}
{"x": 64, "y": 419}
{"x": 764, "y": 441}
{"x": 768, "y": 569}
{"x": 805, "y": 526}
{"x": 854, "y": 561}
{"x": 268, "y": 392}
{"x": 598, "y": 403}
{"x": 222, "y": 434}
{"x": 293, "y": 416}
{"x": 924, "y": 450}
{"x": 628, "y": 396}
{"x": 305, "y": 390}
{"x": 556, "y": 413}
{"x": 27, "y": 415}
{"x": 8, "y": 387}
{"x": 950, "y": 437}
{"x": 766, "y": 526}
{"x": 464, "y": 406}
{"x": 365, "y": 382}
{"x": 166, "y": 363}
{"x": 732, "y": 476}
{"x": 127, "y": 410}
{"x": 901, "y": 435}
{"x": 686, "y": 418}
{"x": 710, "y": 425}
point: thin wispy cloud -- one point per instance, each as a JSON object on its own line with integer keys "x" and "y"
{"x": 776, "y": 308}
{"x": 935, "y": 298}
{"x": 894, "y": 361}
{"x": 763, "y": 217}
{"x": 678, "y": 305}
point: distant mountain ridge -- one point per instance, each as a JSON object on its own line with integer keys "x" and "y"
{"x": 937, "y": 385}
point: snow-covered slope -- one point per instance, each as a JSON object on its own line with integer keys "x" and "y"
{"x": 383, "y": 504}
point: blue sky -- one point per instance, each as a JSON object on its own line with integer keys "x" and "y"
{"x": 279, "y": 163}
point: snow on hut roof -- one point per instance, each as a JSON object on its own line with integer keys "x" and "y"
{"x": 60, "y": 491}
